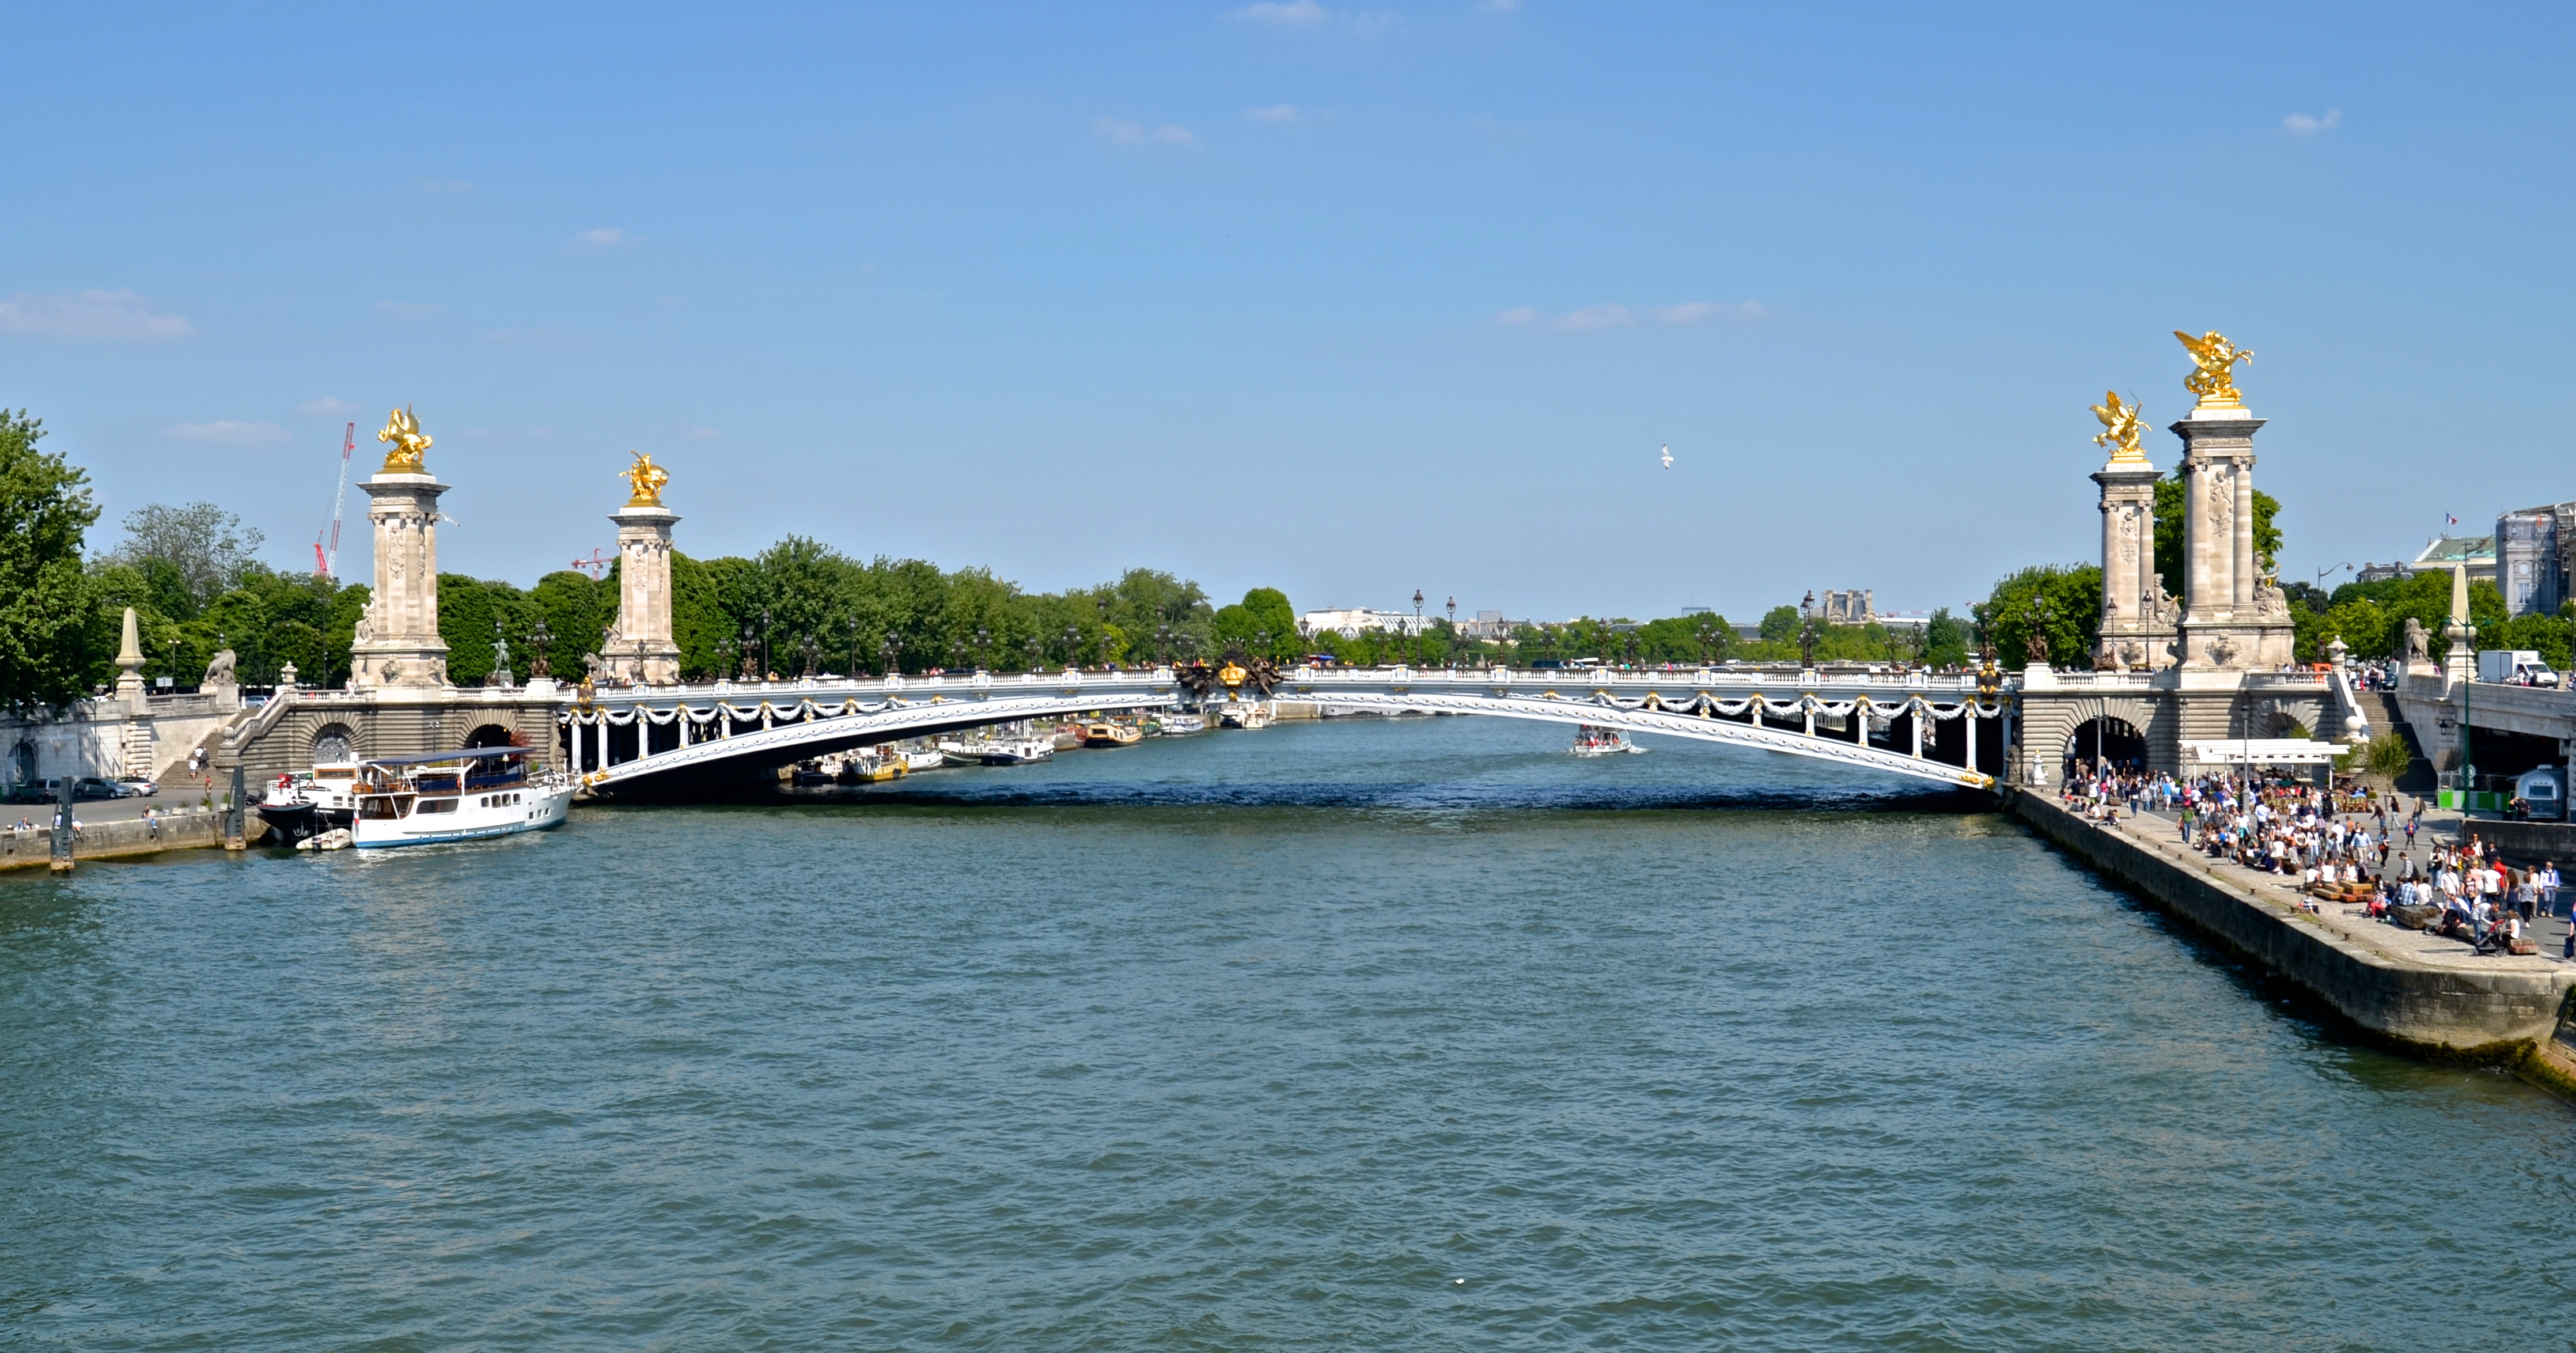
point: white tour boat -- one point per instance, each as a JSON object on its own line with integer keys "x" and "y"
{"x": 1179, "y": 724}
{"x": 455, "y": 796}
{"x": 1595, "y": 740}
{"x": 1245, "y": 714}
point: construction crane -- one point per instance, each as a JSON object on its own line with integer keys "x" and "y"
{"x": 326, "y": 563}
{"x": 596, "y": 565}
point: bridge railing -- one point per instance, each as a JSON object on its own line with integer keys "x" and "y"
{"x": 956, "y": 683}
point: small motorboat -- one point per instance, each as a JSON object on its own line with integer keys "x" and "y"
{"x": 1246, "y": 714}
{"x": 1177, "y": 724}
{"x": 1596, "y": 740}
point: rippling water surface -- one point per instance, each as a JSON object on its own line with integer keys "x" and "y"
{"x": 1363, "y": 1035}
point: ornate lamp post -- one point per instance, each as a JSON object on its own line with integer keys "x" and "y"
{"x": 983, "y": 649}
{"x": 750, "y": 667}
{"x": 851, "y": 625}
{"x": 1035, "y": 648}
{"x": 766, "y": 665}
{"x": 542, "y": 640}
{"x": 892, "y": 651}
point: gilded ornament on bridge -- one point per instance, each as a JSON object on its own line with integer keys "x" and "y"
{"x": 646, "y": 478}
{"x": 2213, "y": 376}
{"x": 2119, "y": 429}
{"x": 403, "y": 431}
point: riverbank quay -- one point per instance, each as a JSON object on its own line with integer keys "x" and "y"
{"x": 2413, "y": 992}
{"x": 33, "y": 849}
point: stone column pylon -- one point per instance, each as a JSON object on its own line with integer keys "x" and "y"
{"x": 641, "y": 649}
{"x": 2231, "y": 617}
{"x": 2129, "y": 600}
{"x": 397, "y": 642}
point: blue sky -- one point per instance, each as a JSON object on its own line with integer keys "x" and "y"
{"x": 1346, "y": 299}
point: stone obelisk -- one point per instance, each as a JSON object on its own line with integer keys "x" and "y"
{"x": 2131, "y": 598}
{"x": 397, "y": 642}
{"x": 641, "y": 648}
{"x": 2233, "y": 616}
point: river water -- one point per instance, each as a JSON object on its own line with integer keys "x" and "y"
{"x": 1413, "y": 1035}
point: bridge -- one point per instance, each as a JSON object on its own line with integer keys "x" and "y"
{"x": 681, "y": 740}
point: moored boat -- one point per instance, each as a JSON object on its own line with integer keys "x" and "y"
{"x": 1107, "y": 733}
{"x": 455, "y": 796}
{"x": 321, "y": 800}
{"x": 1246, "y": 714}
{"x": 1178, "y": 724}
{"x": 999, "y": 751}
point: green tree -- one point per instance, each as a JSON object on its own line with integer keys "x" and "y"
{"x": 48, "y": 652}
{"x": 2070, "y": 621}
{"x": 191, "y": 555}
{"x": 1945, "y": 640}
{"x": 1781, "y": 623}
{"x": 1264, "y": 611}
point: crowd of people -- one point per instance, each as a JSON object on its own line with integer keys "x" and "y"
{"x": 2339, "y": 844}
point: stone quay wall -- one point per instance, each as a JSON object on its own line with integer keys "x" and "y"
{"x": 2493, "y": 1011}
{"x": 104, "y": 840}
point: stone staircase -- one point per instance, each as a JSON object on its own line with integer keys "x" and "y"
{"x": 2380, "y": 707}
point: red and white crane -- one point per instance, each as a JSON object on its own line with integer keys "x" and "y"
{"x": 326, "y": 563}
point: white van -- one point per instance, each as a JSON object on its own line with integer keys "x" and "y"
{"x": 2514, "y": 667}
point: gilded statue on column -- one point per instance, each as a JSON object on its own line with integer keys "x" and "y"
{"x": 2213, "y": 375}
{"x": 2119, "y": 429}
{"x": 403, "y": 431}
{"x": 646, "y": 478}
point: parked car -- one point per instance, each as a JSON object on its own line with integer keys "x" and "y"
{"x": 26, "y": 791}
{"x": 86, "y": 787}
{"x": 136, "y": 789}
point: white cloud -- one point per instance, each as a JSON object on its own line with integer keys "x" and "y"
{"x": 325, "y": 407}
{"x": 91, "y": 314}
{"x": 1519, "y": 314}
{"x": 1293, "y": 14}
{"x": 409, "y": 309}
{"x": 1276, "y": 114}
{"x": 1692, "y": 312}
{"x": 226, "y": 432}
{"x": 605, "y": 237}
{"x": 1122, "y": 132}
{"x": 2300, "y": 124}
{"x": 1597, "y": 317}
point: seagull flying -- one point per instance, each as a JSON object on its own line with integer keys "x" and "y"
{"x": 1668, "y": 455}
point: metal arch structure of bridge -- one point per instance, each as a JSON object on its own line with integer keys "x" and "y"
{"x": 653, "y": 740}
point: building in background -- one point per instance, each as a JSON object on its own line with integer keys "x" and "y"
{"x": 2530, "y": 570}
{"x": 1349, "y": 621}
{"x": 2441, "y": 553}
{"x": 1855, "y": 607}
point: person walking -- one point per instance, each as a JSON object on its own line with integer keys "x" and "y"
{"x": 2548, "y": 887}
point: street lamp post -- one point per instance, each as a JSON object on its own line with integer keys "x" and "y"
{"x": 767, "y": 664}
{"x": 750, "y": 669}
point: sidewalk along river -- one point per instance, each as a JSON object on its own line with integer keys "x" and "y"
{"x": 1391, "y": 1035}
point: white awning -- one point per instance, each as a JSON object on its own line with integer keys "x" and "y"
{"x": 2262, "y": 751}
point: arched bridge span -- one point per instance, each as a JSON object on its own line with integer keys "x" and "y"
{"x": 674, "y": 740}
